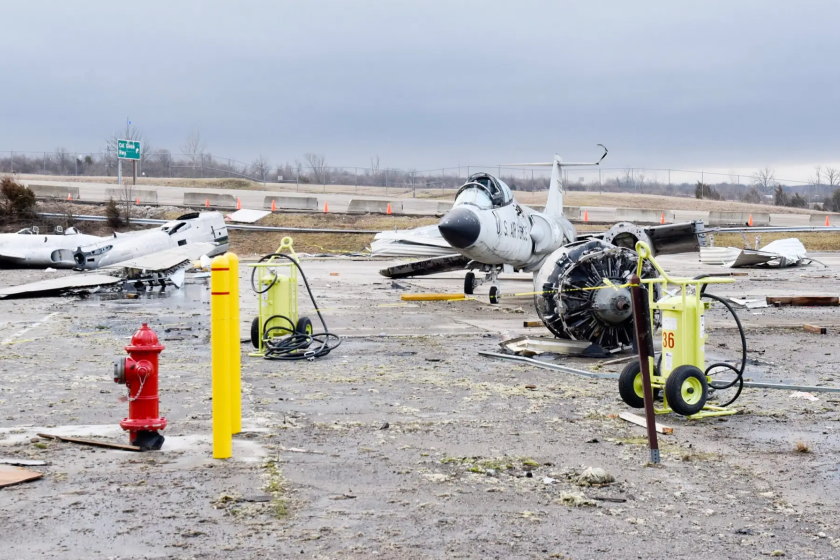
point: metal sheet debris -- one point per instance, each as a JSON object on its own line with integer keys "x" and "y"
{"x": 246, "y": 216}
{"x": 532, "y": 346}
{"x": 779, "y": 253}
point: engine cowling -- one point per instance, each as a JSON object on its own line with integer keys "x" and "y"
{"x": 573, "y": 299}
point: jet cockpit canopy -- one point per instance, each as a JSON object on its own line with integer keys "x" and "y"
{"x": 485, "y": 191}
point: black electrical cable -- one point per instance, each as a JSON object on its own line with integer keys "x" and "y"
{"x": 296, "y": 346}
{"x": 739, "y": 371}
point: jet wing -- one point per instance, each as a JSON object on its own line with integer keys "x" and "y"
{"x": 57, "y": 286}
{"x": 427, "y": 266}
{"x": 163, "y": 260}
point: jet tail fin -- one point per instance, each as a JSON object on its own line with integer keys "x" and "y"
{"x": 554, "y": 204}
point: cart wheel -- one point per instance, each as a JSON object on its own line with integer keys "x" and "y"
{"x": 630, "y": 385}
{"x": 494, "y": 294}
{"x": 686, "y": 390}
{"x": 256, "y": 335}
{"x": 469, "y": 283}
{"x": 304, "y": 326}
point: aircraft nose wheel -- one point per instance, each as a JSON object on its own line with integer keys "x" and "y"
{"x": 495, "y": 294}
{"x": 469, "y": 283}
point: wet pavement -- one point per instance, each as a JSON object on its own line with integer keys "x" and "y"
{"x": 405, "y": 443}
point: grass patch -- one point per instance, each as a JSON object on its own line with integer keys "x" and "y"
{"x": 275, "y": 486}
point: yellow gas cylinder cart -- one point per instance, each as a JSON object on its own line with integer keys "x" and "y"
{"x": 275, "y": 280}
{"x": 680, "y": 372}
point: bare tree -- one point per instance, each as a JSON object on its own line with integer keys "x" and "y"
{"x": 193, "y": 146}
{"x": 318, "y": 164}
{"x": 259, "y": 167}
{"x": 832, "y": 176}
{"x": 765, "y": 179}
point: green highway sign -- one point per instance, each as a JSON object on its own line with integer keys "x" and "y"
{"x": 128, "y": 149}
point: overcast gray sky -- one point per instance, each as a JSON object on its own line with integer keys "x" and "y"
{"x": 687, "y": 84}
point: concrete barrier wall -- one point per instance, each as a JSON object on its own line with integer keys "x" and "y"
{"x": 738, "y": 218}
{"x": 145, "y": 196}
{"x": 444, "y": 207}
{"x": 819, "y": 219}
{"x": 571, "y": 212}
{"x": 367, "y": 206}
{"x": 215, "y": 200}
{"x": 643, "y": 215}
{"x": 53, "y": 191}
{"x": 291, "y": 202}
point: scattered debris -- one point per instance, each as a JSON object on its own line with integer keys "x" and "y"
{"x": 530, "y": 324}
{"x": 432, "y": 297}
{"x": 93, "y": 442}
{"x": 812, "y": 301}
{"x": 299, "y": 450}
{"x": 15, "y": 475}
{"x": 594, "y": 476}
{"x": 803, "y": 395}
{"x": 246, "y": 216}
{"x": 640, "y": 421}
{"x": 575, "y": 499}
{"x": 779, "y": 253}
{"x": 23, "y": 462}
{"x": 815, "y": 329}
{"x": 531, "y": 346}
{"x": 748, "y": 303}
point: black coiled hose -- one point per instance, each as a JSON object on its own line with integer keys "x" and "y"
{"x": 739, "y": 371}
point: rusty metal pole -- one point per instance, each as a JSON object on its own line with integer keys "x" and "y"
{"x": 644, "y": 344}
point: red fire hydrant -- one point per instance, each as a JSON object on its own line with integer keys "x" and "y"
{"x": 139, "y": 372}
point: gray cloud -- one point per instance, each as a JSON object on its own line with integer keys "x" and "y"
{"x": 430, "y": 84}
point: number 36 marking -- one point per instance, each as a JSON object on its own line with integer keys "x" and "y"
{"x": 667, "y": 339}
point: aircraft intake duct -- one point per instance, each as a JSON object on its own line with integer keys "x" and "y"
{"x": 582, "y": 293}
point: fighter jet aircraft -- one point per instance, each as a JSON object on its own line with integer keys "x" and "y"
{"x": 487, "y": 225}
{"x": 577, "y": 282}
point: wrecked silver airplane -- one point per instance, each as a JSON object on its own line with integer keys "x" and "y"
{"x": 153, "y": 257}
{"x": 27, "y": 248}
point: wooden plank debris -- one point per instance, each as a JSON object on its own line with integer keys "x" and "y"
{"x": 816, "y": 329}
{"x": 93, "y": 442}
{"x": 803, "y": 300}
{"x": 16, "y": 475}
{"x": 639, "y": 421}
{"x": 23, "y": 462}
{"x": 528, "y": 324}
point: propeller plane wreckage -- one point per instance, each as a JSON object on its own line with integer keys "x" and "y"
{"x": 492, "y": 233}
{"x": 152, "y": 257}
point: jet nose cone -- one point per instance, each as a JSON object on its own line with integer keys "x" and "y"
{"x": 460, "y": 227}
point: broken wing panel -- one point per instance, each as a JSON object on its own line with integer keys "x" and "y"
{"x": 55, "y": 286}
{"x": 165, "y": 260}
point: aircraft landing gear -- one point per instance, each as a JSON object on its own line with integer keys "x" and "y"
{"x": 469, "y": 283}
{"x": 491, "y": 275}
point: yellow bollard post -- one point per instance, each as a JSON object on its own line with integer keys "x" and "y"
{"x": 220, "y": 355}
{"x": 235, "y": 349}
